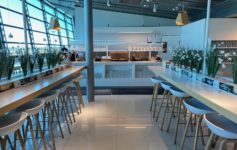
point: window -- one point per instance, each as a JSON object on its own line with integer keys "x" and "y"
{"x": 12, "y": 20}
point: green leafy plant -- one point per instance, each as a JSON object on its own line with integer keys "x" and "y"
{"x": 54, "y": 58}
{"x": 32, "y": 61}
{"x": 213, "y": 63}
{"x": 3, "y": 60}
{"x": 40, "y": 61}
{"x": 59, "y": 58}
{"x": 24, "y": 58}
{"x": 10, "y": 61}
{"x": 49, "y": 59}
{"x": 198, "y": 59}
{"x": 234, "y": 69}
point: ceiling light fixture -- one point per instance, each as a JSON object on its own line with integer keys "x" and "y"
{"x": 182, "y": 18}
{"x": 10, "y": 36}
{"x": 155, "y": 7}
{"x": 54, "y": 24}
{"x": 108, "y": 3}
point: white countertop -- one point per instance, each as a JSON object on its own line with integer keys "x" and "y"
{"x": 220, "y": 101}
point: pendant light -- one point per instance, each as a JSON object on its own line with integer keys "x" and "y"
{"x": 10, "y": 36}
{"x": 54, "y": 24}
{"x": 182, "y": 18}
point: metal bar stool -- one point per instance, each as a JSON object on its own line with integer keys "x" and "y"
{"x": 166, "y": 96}
{"x": 199, "y": 110}
{"x": 221, "y": 127}
{"x": 32, "y": 108}
{"x": 179, "y": 97}
{"x": 156, "y": 82}
{"x": 11, "y": 123}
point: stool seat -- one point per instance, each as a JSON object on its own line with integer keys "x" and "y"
{"x": 48, "y": 96}
{"x": 166, "y": 85}
{"x": 156, "y": 80}
{"x": 11, "y": 122}
{"x": 31, "y": 107}
{"x": 177, "y": 92}
{"x": 197, "y": 107}
{"x": 221, "y": 126}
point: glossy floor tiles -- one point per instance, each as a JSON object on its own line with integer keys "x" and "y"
{"x": 117, "y": 122}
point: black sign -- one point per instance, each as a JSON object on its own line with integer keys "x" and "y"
{"x": 208, "y": 81}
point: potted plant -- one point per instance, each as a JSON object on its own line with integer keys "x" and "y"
{"x": 40, "y": 61}
{"x": 49, "y": 59}
{"x": 3, "y": 58}
{"x": 24, "y": 63}
{"x": 32, "y": 60}
{"x": 213, "y": 63}
{"x": 10, "y": 61}
{"x": 234, "y": 70}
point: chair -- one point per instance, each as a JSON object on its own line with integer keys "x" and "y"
{"x": 199, "y": 110}
{"x": 32, "y": 108}
{"x": 156, "y": 82}
{"x": 221, "y": 127}
{"x": 11, "y": 123}
{"x": 166, "y": 96}
{"x": 179, "y": 96}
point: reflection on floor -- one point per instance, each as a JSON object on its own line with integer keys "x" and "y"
{"x": 118, "y": 122}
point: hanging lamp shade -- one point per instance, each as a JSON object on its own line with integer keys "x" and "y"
{"x": 182, "y": 18}
{"x": 54, "y": 24}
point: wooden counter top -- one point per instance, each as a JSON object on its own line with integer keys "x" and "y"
{"x": 220, "y": 101}
{"x": 13, "y": 98}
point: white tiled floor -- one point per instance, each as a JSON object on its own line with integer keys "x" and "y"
{"x": 117, "y": 122}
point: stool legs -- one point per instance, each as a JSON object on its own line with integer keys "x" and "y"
{"x": 57, "y": 118}
{"x": 36, "y": 116}
{"x": 165, "y": 96}
{"x": 177, "y": 123}
{"x": 209, "y": 143}
{"x": 197, "y": 131}
{"x": 50, "y": 125}
{"x": 155, "y": 99}
{"x": 32, "y": 132}
{"x": 172, "y": 114}
{"x": 166, "y": 107}
{"x": 185, "y": 132}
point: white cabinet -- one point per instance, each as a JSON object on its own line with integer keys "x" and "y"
{"x": 121, "y": 73}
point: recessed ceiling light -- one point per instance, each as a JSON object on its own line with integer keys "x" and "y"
{"x": 145, "y": 5}
{"x": 147, "y": 0}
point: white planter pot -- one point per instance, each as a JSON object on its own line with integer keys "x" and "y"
{"x": 194, "y": 75}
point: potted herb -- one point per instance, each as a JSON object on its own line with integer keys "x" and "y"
{"x": 234, "y": 70}
{"x": 198, "y": 59}
{"x": 24, "y": 63}
{"x": 40, "y": 61}
{"x": 49, "y": 59}
{"x": 32, "y": 60}
{"x": 213, "y": 63}
{"x": 10, "y": 61}
{"x": 3, "y": 58}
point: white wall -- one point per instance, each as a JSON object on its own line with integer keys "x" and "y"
{"x": 223, "y": 29}
{"x": 192, "y": 35}
{"x": 102, "y": 18}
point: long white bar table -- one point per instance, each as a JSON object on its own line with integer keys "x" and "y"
{"x": 220, "y": 101}
{"x": 13, "y": 98}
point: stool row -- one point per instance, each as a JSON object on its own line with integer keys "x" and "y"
{"x": 53, "y": 107}
{"x": 176, "y": 103}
